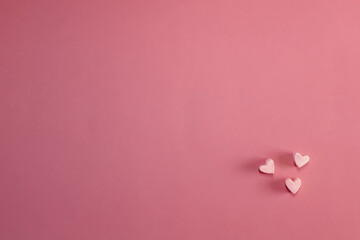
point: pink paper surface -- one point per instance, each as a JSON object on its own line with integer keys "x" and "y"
{"x": 147, "y": 120}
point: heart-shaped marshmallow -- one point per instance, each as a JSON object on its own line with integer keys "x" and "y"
{"x": 300, "y": 160}
{"x": 293, "y": 186}
{"x": 269, "y": 167}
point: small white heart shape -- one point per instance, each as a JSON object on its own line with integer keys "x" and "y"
{"x": 269, "y": 167}
{"x": 293, "y": 186}
{"x": 300, "y": 160}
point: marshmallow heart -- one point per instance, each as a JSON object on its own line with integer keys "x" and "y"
{"x": 293, "y": 186}
{"x": 269, "y": 167}
{"x": 300, "y": 160}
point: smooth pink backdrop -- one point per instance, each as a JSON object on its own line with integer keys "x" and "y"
{"x": 147, "y": 120}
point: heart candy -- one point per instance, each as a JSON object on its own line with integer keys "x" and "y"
{"x": 268, "y": 168}
{"x": 300, "y": 160}
{"x": 293, "y": 186}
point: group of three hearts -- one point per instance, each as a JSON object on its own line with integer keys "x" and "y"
{"x": 292, "y": 184}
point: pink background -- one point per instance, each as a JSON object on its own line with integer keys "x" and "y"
{"x": 147, "y": 120}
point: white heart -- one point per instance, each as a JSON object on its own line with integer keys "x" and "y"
{"x": 300, "y": 160}
{"x": 269, "y": 167}
{"x": 293, "y": 186}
